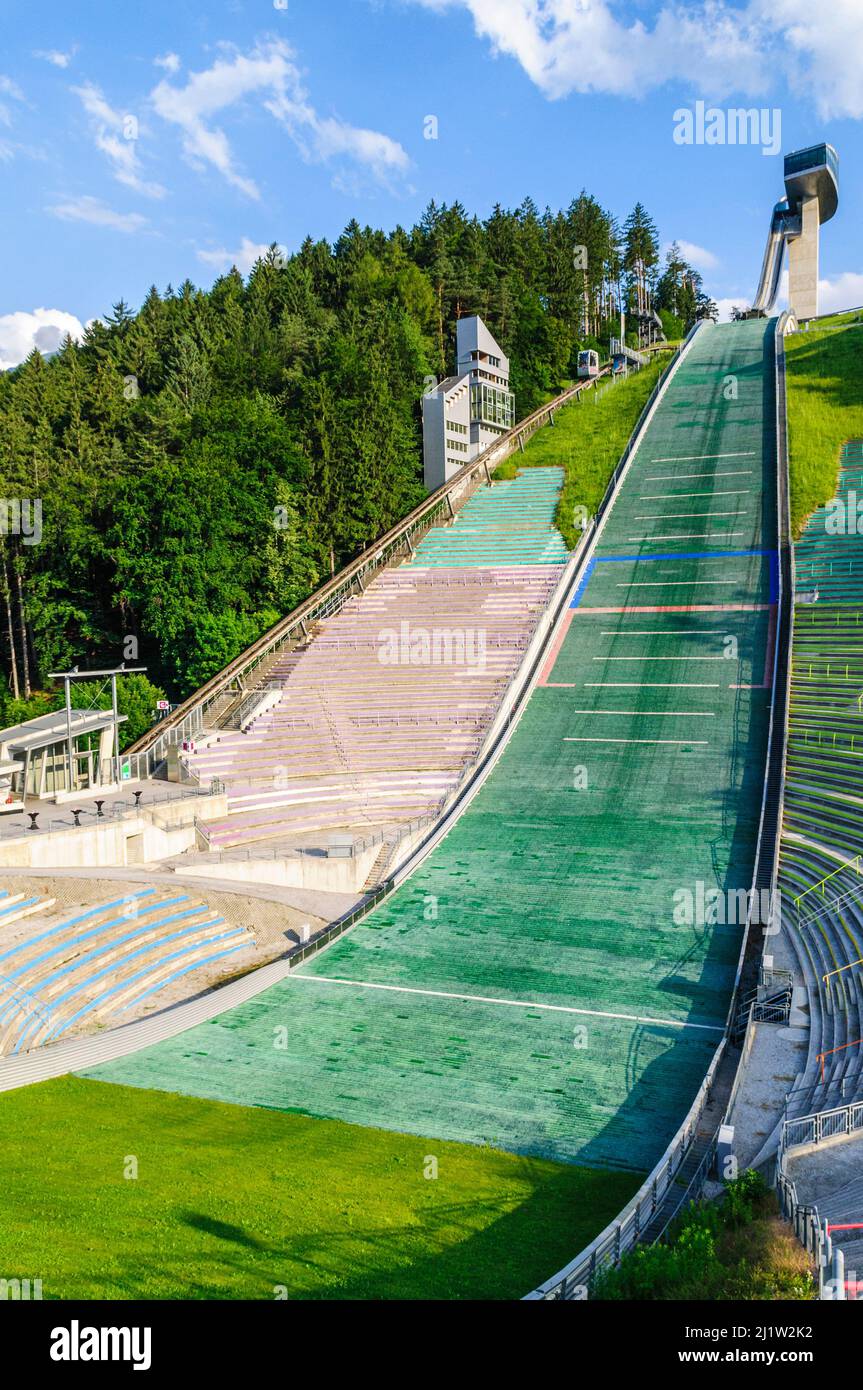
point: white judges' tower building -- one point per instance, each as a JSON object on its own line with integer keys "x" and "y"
{"x": 465, "y": 413}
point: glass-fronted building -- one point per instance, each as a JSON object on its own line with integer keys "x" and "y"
{"x": 466, "y": 413}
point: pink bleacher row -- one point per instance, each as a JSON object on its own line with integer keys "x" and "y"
{"x": 358, "y": 742}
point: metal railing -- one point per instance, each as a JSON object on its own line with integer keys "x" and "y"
{"x": 358, "y": 845}
{"x": 811, "y": 1230}
{"x": 627, "y": 1230}
{"x": 238, "y": 716}
{"x": 854, "y": 864}
{"x": 850, "y": 1083}
{"x": 825, "y": 1124}
{"x": 115, "y": 810}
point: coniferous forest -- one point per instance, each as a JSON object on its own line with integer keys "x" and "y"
{"x": 163, "y": 446}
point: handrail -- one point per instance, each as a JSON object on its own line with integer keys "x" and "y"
{"x": 839, "y": 969}
{"x": 371, "y": 560}
{"x": 811, "y": 1230}
{"x": 818, "y": 1126}
{"x": 843, "y": 1047}
{"x": 813, "y": 887}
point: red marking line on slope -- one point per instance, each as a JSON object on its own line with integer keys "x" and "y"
{"x": 556, "y": 646}
{"x": 668, "y": 608}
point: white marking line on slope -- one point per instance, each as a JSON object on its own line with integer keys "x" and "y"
{"x": 664, "y": 496}
{"x": 659, "y": 658}
{"x": 660, "y": 632}
{"x": 674, "y": 516}
{"x": 687, "y": 536}
{"x": 690, "y": 742}
{"x": 694, "y": 458}
{"x": 649, "y": 713}
{"x": 663, "y": 583}
{"x": 653, "y": 685}
{"x": 678, "y": 477}
{"x": 507, "y": 1003}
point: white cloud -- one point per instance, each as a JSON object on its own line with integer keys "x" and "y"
{"x": 169, "y": 61}
{"x": 269, "y": 73}
{"x": 823, "y": 50}
{"x": 716, "y": 46}
{"x": 725, "y": 306}
{"x": 328, "y": 138}
{"x": 843, "y": 291}
{"x": 10, "y": 89}
{"x": 569, "y": 46}
{"x": 698, "y": 256}
{"x": 244, "y": 259}
{"x": 116, "y": 135}
{"x": 86, "y": 209}
{"x": 44, "y": 328}
{"x": 55, "y": 57}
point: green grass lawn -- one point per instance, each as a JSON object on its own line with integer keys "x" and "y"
{"x": 825, "y": 409}
{"x": 233, "y": 1202}
{"x": 587, "y": 440}
{"x": 839, "y": 320}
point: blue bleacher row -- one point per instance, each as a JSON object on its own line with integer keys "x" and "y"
{"x": 93, "y": 967}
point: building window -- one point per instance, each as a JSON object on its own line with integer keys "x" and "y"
{"x": 492, "y": 406}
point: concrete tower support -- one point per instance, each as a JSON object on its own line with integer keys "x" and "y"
{"x": 803, "y": 262}
{"x": 811, "y": 199}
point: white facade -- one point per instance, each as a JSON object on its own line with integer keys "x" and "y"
{"x": 467, "y": 412}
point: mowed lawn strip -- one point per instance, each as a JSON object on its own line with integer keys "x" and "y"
{"x": 825, "y": 409}
{"x": 587, "y": 440}
{"x": 235, "y": 1202}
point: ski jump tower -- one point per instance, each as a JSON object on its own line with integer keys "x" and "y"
{"x": 811, "y": 198}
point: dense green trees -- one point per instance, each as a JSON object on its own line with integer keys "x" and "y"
{"x": 202, "y": 464}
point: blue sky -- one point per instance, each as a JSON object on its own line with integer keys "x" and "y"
{"x": 148, "y": 143}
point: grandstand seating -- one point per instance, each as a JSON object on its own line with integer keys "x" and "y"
{"x": 14, "y": 906}
{"x": 94, "y": 966}
{"x": 390, "y": 698}
{"x": 512, "y": 525}
{"x": 821, "y": 877}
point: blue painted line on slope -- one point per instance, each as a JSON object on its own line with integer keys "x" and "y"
{"x": 772, "y": 555}
{"x": 583, "y": 583}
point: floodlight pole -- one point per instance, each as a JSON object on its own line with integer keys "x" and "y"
{"x": 116, "y": 727}
{"x": 70, "y": 742}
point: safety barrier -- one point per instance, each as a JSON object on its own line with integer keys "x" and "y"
{"x": 825, "y": 1124}
{"x": 812, "y": 1231}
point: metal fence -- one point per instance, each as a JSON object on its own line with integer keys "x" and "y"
{"x": 826, "y": 1124}
{"x": 809, "y": 1227}
{"x": 92, "y": 816}
{"x": 636, "y": 1219}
